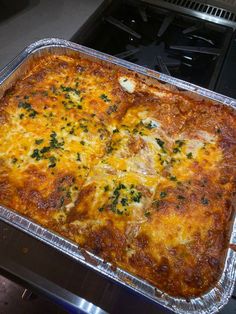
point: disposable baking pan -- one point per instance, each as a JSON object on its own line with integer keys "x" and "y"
{"x": 210, "y": 302}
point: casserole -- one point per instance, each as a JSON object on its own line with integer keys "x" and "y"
{"x": 151, "y": 164}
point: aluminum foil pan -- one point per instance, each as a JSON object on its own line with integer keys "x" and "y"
{"x": 210, "y": 302}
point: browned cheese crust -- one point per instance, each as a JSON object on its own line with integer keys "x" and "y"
{"x": 133, "y": 171}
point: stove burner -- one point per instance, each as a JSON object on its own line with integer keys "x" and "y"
{"x": 122, "y": 26}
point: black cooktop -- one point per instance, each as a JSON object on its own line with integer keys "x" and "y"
{"x": 179, "y": 45}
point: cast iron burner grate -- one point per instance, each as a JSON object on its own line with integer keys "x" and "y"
{"x": 162, "y": 40}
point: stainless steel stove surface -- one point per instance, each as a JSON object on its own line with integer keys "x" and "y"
{"x": 168, "y": 41}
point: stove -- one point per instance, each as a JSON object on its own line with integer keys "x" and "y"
{"x": 162, "y": 36}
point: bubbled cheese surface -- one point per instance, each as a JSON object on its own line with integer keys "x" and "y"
{"x": 131, "y": 170}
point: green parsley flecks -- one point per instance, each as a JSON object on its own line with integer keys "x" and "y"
{"x": 45, "y": 151}
{"x": 190, "y": 155}
{"x": 105, "y": 98}
{"x": 28, "y": 107}
{"x": 121, "y": 197}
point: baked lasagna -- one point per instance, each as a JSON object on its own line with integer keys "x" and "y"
{"x": 130, "y": 169}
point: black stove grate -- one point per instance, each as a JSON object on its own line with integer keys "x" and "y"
{"x": 162, "y": 40}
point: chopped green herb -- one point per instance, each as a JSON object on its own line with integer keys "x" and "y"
{"x": 21, "y": 116}
{"x": 173, "y": 178}
{"x": 160, "y": 142}
{"x": 106, "y": 188}
{"x": 27, "y": 106}
{"x": 105, "y": 98}
{"x": 38, "y": 142}
{"x": 176, "y": 150}
{"x": 33, "y": 113}
{"x": 72, "y": 131}
{"x": 84, "y": 127}
{"x": 54, "y": 141}
{"x": 14, "y": 160}
{"x": 109, "y": 148}
{"x": 115, "y": 131}
{"x": 52, "y": 161}
{"x": 115, "y": 197}
{"x": 150, "y": 125}
{"x": 189, "y": 155}
{"x": 119, "y": 212}
{"x": 163, "y": 194}
{"x": 36, "y": 154}
{"x": 141, "y": 133}
{"x": 147, "y": 214}
{"x": 204, "y": 201}
{"x": 69, "y": 89}
{"x": 82, "y": 142}
{"x": 136, "y": 197}
{"x": 180, "y": 143}
{"x": 124, "y": 201}
{"x": 121, "y": 186}
{"x": 79, "y": 107}
{"x": 101, "y": 209}
{"x": 68, "y": 104}
{"x": 45, "y": 149}
{"x": 78, "y": 158}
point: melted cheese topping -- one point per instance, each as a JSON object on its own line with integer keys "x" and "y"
{"x": 132, "y": 171}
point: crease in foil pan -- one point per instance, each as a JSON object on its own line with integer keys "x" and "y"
{"x": 210, "y": 302}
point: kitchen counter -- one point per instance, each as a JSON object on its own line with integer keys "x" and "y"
{"x": 42, "y": 19}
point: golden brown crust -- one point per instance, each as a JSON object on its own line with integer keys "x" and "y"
{"x": 140, "y": 174}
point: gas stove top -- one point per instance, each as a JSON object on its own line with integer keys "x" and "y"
{"x": 164, "y": 40}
